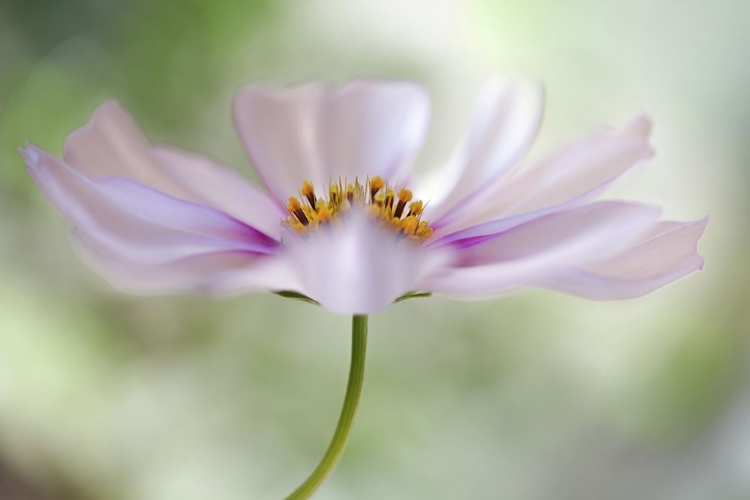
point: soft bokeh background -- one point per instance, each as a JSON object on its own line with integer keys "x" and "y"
{"x": 534, "y": 396}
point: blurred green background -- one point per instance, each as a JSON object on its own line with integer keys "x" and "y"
{"x": 533, "y": 396}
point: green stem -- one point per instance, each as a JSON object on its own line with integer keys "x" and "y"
{"x": 348, "y": 412}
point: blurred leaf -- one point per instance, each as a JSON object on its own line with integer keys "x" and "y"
{"x": 297, "y": 296}
{"x": 412, "y": 295}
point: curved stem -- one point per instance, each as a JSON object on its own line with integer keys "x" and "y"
{"x": 348, "y": 412}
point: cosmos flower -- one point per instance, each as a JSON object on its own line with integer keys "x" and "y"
{"x": 344, "y": 221}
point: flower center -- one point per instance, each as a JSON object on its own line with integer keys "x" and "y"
{"x": 392, "y": 209}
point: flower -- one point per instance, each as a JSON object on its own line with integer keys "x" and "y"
{"x": 345, "y": 222}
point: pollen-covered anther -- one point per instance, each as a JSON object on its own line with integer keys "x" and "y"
{"x": 390, "y": 194}
{"x": 404, "y": 197}
{"x": 376, "y": 184}
{"x": 308, "y": 191}
{"x": 415, "y": 208}
{"x": 409, "y": 225}
{"x": 295, "y": 208}
{"x": 324, "y": 215}
{"x": 379, "y": 199}
{"x": 424, "y": 230}
{"x": 333, "y": 194}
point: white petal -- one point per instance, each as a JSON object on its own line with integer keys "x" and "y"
{"x": 572, "y": 176}
{"x": 529, "y": 252}
{"x": 216, "y": 273}
{"x": 355, "y": 266}
{"x": 209, "y": 183}
{"x": 666, "y": 254}
{"x": 585, "y": 169}
{"x": 320, "y": 133}
{"x": 506, "y": 120}
{"x": 140, "y": 238}
{"x": 111, "y": 144}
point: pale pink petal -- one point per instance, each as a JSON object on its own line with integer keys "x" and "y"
{"x": 124, "y": 225}
{"x": 538, "y": 248}
{"x": 669, "y": 252}
{"x": 355, "y": 266}
{"x": 490, "y": 228}
{"x": 274, "y": 274}
{"x": 209, "y": 183}
{"x": 162, "y": 210}
{"x": 217, "y": 273}
{"x": 572, "y": 176}
{"x": 111, "y": 144}
{"x": 506, "y": 120}
{"x": 321, "y": 133}
{"x": 583, "y": 169}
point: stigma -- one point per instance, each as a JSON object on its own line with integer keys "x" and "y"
{"x": 396, "y": 210}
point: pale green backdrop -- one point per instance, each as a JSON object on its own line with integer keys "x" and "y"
{"x": 529, "y": 397}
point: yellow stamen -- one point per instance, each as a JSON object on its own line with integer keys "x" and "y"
{"x": 389, "y": 195}
{"x": 416, "y": 207}
{"x": 410, "y": 225}
{"x": 333, "y": 193}
{"x": 404, "y": 196}
{"x": 294, "y": 204}
{"x": 308, "y": 191}
{"x": 424, "y": 230}
{"x": 376, "y": 196}
{"x": 324, "y": 215}
{"x": 295, "y": 208}
{"x": 376, "y": 184}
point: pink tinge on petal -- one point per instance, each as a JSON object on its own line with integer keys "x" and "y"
{"x": 598, "y": 227}
{"x": 321, "y": 133}
{"x": 123, "y": 225}
{"x": 355, "y": 266}
{"x": 506, "y": 119}
{"x": 585, "y": 168}
{"x": 487, "y": 230}
{"x": 572, "y": 176}
{"x": 667, "y": 253}
{"x": 541, "y": 247}
{"x": 167, "y": 211}
{"x": 275, "y": 274}
{"x": 214, "y": 185}
{"x": 217, "y": 273}
{"x": 112, "y": 145}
